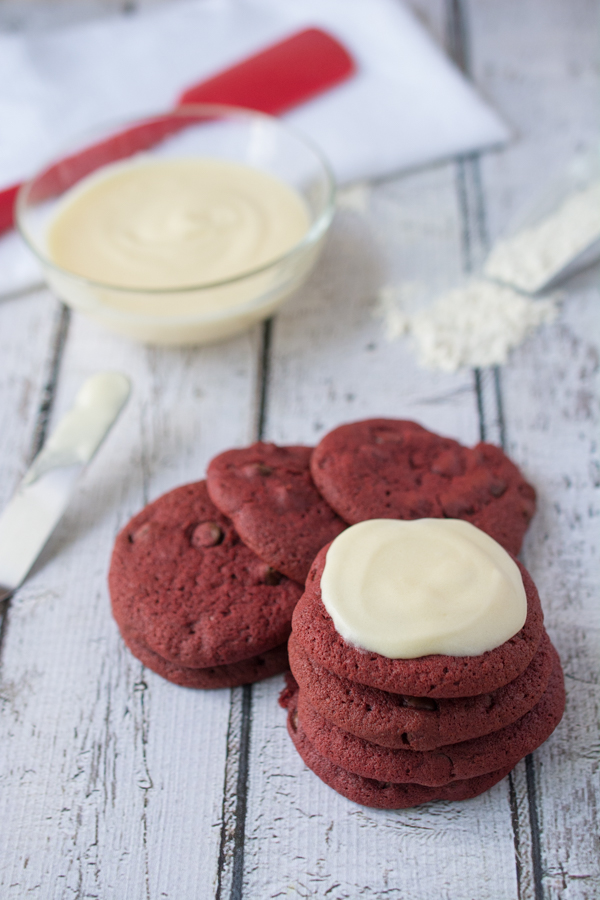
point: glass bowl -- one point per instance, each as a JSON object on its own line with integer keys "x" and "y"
{"x": 204, "y": 312}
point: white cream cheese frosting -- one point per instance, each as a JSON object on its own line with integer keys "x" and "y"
{"x": 406, "y": 589}
{"x": 171, "y": 223}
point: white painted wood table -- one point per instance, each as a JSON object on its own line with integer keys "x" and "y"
{"x": 116, "y": 784}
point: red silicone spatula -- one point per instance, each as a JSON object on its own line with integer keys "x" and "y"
{"x": 272, "y": 81}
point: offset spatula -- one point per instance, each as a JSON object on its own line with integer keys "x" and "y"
{"x": 272, "y": 81}
{"x": 43, "y": 495}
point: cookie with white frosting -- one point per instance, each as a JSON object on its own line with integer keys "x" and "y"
{"x": 435, "y": 675}
{"x": 408, "y": 630}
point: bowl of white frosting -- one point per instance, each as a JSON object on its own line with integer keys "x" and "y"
{"x": 184, "y": 228}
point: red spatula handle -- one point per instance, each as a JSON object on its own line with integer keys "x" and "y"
{"x": 279, "y": 77}
{"x": 272, "y": 81}
{"x": 7, "y": 205}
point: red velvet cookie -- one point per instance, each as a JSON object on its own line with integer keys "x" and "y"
{"x": 272, "y": 662}
{"x": 268, "y": 493}
{"x": 434, "y": 676}
{"x": 183, "y": 583}
{"x": 418, "y": 723}
{"x": 461, "y": 761}
{"x": 394, "y": 469}
{"x": 382, "y": 794}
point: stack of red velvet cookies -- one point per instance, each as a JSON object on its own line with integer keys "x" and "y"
{"x": 393, "y": 733}
{"x": 397, "y": 732}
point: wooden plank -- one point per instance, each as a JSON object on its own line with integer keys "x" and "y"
{"x": 337, "y": 859}
{"x": 331, "y": 361}
{"x": 537, "y": 62}
{"x": 550, "y": 393}
{"x": 304, "y": 840}
{"x": 330, "y": 365}
{"x": 31, "y": 333}
{"x": 559, "y": 372}
{"x": 29, "y": 330}
{"x": 112, "y": 776}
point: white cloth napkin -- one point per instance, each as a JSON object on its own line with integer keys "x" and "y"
{"x": 408, "y": 105}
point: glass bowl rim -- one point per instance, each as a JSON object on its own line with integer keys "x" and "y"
{"x": 316, "y": 230}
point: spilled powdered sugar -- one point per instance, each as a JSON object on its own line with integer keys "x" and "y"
{"x": 472, "y": 326}
{"x": 478, "y": 324}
